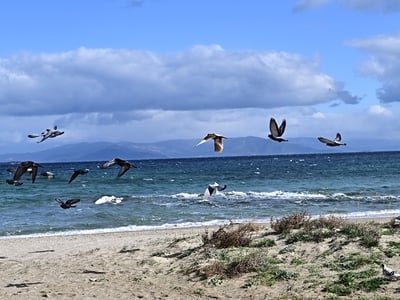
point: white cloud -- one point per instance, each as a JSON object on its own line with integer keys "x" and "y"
{"x": 379, "y": 110}
{"x": 382, "y": 6}
{"x": 102, "y": 81}
{"x": 383, "y": 64}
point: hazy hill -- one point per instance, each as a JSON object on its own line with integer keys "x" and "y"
{"x": 242, "y": 146}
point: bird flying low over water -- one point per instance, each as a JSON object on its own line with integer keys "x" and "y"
{"x": 277, "y": 132}
{"x": 213, "y": 189}
{"x": 336, "y": 142}
{"x": 77, "y": 173}
{"x": 124, "y": 164}
{"x": 218, "y": 141}
{"x": 48, "y": 133}
{"x": 67, "y": 204}
{"x": 26, "y": 166}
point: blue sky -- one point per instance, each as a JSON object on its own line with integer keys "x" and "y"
{"x": 152, "y": 70}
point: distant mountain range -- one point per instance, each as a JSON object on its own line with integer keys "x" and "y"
{"x": 241, "y": 146}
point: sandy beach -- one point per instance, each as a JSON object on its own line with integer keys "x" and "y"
{"x": 177, "y": 264}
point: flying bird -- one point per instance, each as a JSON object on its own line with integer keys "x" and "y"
{"x": 218, "y": 141}
{"x": 124, "y": 164}
{"x": 24, "y": 167}
{"x": 67, "y": 204}
{"x": 277, "y": 132}
{"x": 48, "y": 133}
{"x": 213, "y": 188}
{"x": 330, "y": 143}
{"x": 77, "y": 173}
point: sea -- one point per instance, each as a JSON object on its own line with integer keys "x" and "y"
{"x": 169, "y": 193}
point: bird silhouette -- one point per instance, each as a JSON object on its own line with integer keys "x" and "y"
{"x": 277, "y": 132}
{"x": 26, "y": 166}
{"x": 67, "y": 204}
{"x": 48, "y": 133}
{"x": 218, "y": 141}
{"x": 124, "y": 164}
{"x": 76, "y": 173}
{"x": 332, "y": 143}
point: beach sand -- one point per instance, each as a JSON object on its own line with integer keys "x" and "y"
{"x": 172, "y": 264}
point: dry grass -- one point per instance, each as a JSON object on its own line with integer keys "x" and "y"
{"x": 230, "y": 236}
{"x": 343, "y": 261}
{"x": 288, "y": 223}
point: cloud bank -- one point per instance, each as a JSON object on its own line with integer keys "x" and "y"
{"x": 383, "y": 64}
{"x": 104, "y": 81}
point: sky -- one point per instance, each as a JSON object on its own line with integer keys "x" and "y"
{"x": 154, "y": 70}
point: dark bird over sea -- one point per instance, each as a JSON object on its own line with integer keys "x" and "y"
{"x": 26, "y": 166}
{"x": 332, "y": 143}
{"x": 124, "y": 165}
{"x": 277, "y": 132}
{"x": 218, "y": 141}
{"x": 77, "y": 173}
{"x": 67, "y": 204}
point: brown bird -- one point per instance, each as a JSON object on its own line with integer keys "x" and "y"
{"x": 275, "y": 131}
{"x": 124, "y": 164}
{"x": 67, "y": 204}
{"x": 218, "y": 141}
{"x": 26, "y": 166}
{"x": 330, "y": 143}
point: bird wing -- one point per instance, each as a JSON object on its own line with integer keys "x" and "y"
{"x": 59, "y": 201}
{"x": 273, "y": 127}
{"x": 209, "y": 191}
{"x": 202, "y": 142}
{"x": 221, "y": 187}
{"x": 21, "y": 169}
{"x": 74, "y": 175}
{"x": 72, "y": 201}
{"x": 325, "y": 140}
{"x": 35, "y": 169}
{"x": 282, "y": 127}
{"x": 108, "y": 164}
{"x": 218, "y": 144}
{"x": 338, "y": 137}
{"x": 123, "y": 169}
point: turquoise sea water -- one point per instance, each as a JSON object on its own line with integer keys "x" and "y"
{"x": 167, "y": 193}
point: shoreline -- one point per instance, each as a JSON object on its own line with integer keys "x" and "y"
{"x": 181, "y": 226}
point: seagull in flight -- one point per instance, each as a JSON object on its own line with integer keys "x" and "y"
{"x": 330, "y": 143}
{"x": 277, "y": 132}
{"x": 213, "y": 189}
{"x": 48, "y": 133}
{"x": 218, "y": 141}
{"x": 67, "y": 204}
{"x": 124, "y": 164}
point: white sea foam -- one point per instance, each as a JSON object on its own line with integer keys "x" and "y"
{"x": 185, "y": 196}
